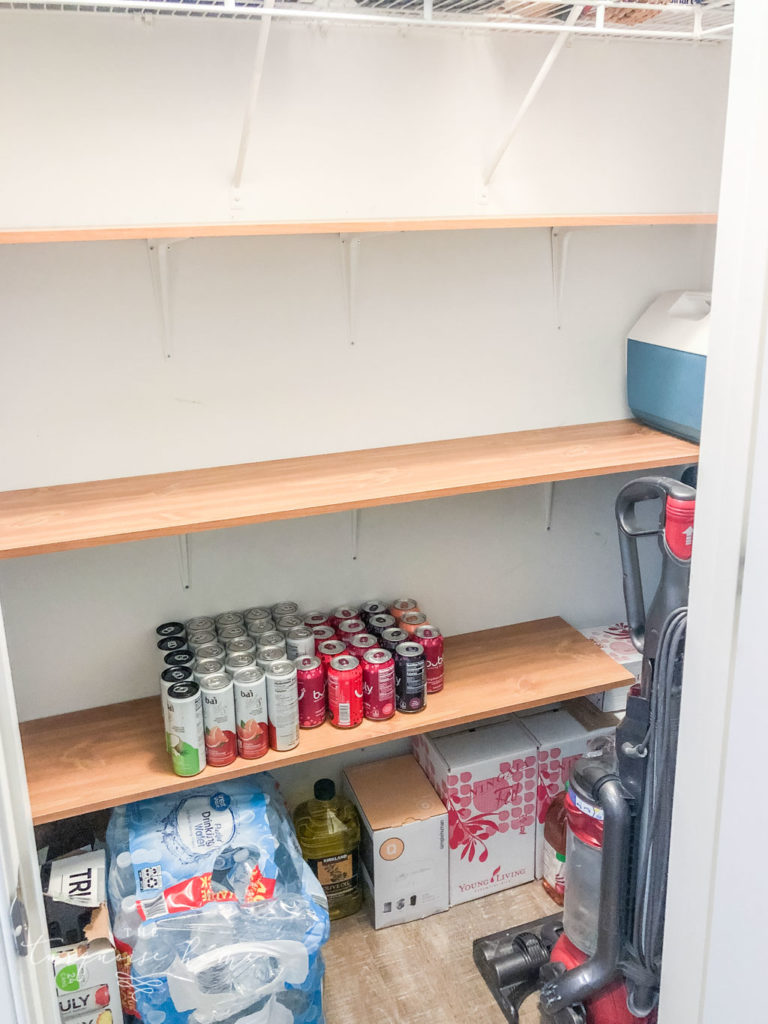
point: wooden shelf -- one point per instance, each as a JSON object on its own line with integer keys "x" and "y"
{"x": 131, "y": 508}
{"x": 111, "y": 234}
{"x": 115, "y": 754}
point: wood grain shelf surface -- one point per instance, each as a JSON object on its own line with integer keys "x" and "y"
{"x": 131, "y": 508}
{"x": 24, "y": 236}
{"x": 111, "y": 755}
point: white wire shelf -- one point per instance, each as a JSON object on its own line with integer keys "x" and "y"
{"x": 696, "y": 20}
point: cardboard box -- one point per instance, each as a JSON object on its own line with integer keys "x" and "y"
{"x": 615, "y": 640}
{"x": 86, "y": 983}
{"x": 562, "y": 737}
{"x": 486, "y": 777}
{"x": 404, "y": 845}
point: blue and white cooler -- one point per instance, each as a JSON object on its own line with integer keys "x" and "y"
{"x": 667, "y": 362}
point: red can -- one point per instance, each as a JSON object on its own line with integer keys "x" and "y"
{"x": 348, "y": 628}
{"x": 378, "y": 684}
{"x": 402, "y": 605}
{"x": 310, "y": 674}
{"x": 360, "y": 643}
{"x": 339, "y": 614}
{"x": 323, "y": 633}
{"x": 345, "y": 692}
{"x": 329, "y": 649}
{"x": 431, "y": 639}
{"x": 410, "y": 621}
{"x": 313, "y": 619}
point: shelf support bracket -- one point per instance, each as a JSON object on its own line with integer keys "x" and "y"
{"x": 530, "y": 96}
{"x": 559, "y": 242}
{"x": 159, "y": 252}
{"x": 549, "y": 500}
{"x": 350, "y": 262}
{"x": 354, "y": 534}
{"x": 253, "y": 96}
{"x": 183, "y": 556}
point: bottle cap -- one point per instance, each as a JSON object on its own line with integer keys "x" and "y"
{"x": 325, "y": 789}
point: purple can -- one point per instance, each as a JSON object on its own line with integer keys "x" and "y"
{"x": 390, "y": 638}
{"x": 378, "y": 623}
{"x": 410, "y": 677}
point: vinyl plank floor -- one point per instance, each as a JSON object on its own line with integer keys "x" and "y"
{"x": 423, "y": 972}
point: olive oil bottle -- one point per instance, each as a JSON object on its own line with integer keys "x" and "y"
{"x": 328, "y": 830}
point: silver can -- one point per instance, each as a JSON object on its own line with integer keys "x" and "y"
{"x": 250, "y": 686}
{"x": 256, "y": 614}
{"x": 258, "y": 627}
{"x": 204, "y": 669}
{"x": 282, "y": 705}
{"x": 231, "y": 633}
{"x": 199, "y": 638}
{"x": 272, "y": 639}
{"x": 208, "y": 651}
{"x": 241, "y": 645}
{"x": 284, "y": 608}
{"x": 299, "y": 641}
{"x": 229, "y": 619}
{"x": 266, "y": 656}
{"x": 288, "y": 622}
{"x": 185, "y": 724}
{"x": 236, "y": 661}
{"x": 202, "y": 623}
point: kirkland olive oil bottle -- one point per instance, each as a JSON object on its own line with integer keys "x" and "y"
{"x": 328, "y": 830}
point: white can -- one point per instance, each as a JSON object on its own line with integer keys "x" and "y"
{"x": 282, "y": 705}
{"x": 199, "y": 638}
{"x": 284, "y": 608}
{"x": 219, "y": 719}
{"x": 241, "y": 645}
{"x": 256, "y": 614}
{"x": 299, "y": 642}
{"x": 258, "y": 627}
{"x": 200, "y": 623}
{"x": 236, "y": 661}
{"x": 266, "y": 656}
{"x": 173, "y": 674}
{"x": 288, "y": 622}
{"x": 274, "y": 638}
{"x": 205, "y": 668}
{"x": 228, "y": 619}
{"x": 250, "y": 686}
{"x": 185, "y": 723}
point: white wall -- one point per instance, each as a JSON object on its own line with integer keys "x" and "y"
{"x": 115, "y": 120}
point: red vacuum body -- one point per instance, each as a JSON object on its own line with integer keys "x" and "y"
{"x": 610, "y": 1005}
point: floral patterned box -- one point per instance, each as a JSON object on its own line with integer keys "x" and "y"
{"x": 486, "y": 777}
{"x": 617, "y": 643}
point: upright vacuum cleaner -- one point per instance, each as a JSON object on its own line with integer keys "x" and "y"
{"x": 599, "y": 961}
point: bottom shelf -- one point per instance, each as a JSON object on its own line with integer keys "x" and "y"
{"x": 423, "y": 972}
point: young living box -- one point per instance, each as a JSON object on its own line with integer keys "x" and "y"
{"x": 486, "y": 777}
{"x": 404, "y": 841}
{"x": 616, "y": 641}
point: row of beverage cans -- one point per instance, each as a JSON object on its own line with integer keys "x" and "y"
{"x": 245, "y": 682}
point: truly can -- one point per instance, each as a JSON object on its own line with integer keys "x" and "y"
{"x": 174, "y": 674}
{"x": 345, "y": 691}
{"x": 390, "y": 638}
{"x": 288, "y": 622}
{"x": 369, "y": 608}
{"x": 170, "y": 629}
{"x": 258, "y": 627}
{"x": 431, "y": 639}
{"x": 402, "y": 605}
{"x": 299, "y": 643}
{"x": 339, "y": 614}
{"x": 229, "y": 619}
{"x": 231, "y": 633}
{"x": 172, "y": 643}
{"x": 328, "y": 650}
{"x": 378, "y": 623}
{"x": 85, "y": 1004}
{"x": 410, "y": 677}
{"x": 274, "y": 638}
{"x": 241, "y": 645}
{"x": 250, "y": 689}
{"x": 282, "y": 705}
{"x": 313, "y": 619}
{"x": 323, "y": 633}
{"x": 256, "y": 615}
{"x": 236, "y": 661}
{"x": 378, "y": 684}
{"x": 410, "y": 621}
{"x": 201, "y": 623}
{"x": 266, "y": 656}
{"x": 284, "y": 608}
{"x": 362, "y": 642}
{"x": 180, "y": 658}
{"x": 310, "y": 676}
{"x": 219, "y": 720}
{"x": 207, "y": 667}
{"x": 200, "y": 637}
{"x": 185, "y": 725}
{"x": 348, "y": 628}
{"x": 208, "y": 651}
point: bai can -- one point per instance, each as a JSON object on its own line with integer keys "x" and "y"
{"x": 266, "y": 656}
{"x": 208, "y": 651}
{"x": 312, "y": 619}
{"x": 171, "y": 629}
{"x": 273, "y": 638}
{"x": 431, "y": 639}
{"x": 348, "y": 628}
{"x": 288, "y": 622}
{"x": 390, "y": 638}
{"x": 200, "y": 624}
{"x": 200, "y": 637}
{"x": 378, "y": 623}
{"x": 219, "y": 719}
{"x": 310, "y": 675}
{"x": 172, "y": 643}
{"x": 236, "y": 661}
{"x": 323, "y": 633}
{"x": 360, "y": 643}
{"x": 402, "y": 605}
{"x": 250, "y": 689}
{"x": 256, "y": 615}
{"x": 228, "y": 619}
{"x": 410, "y": 677}
{"x": 410, "y": 621}
{"x": 258, "y": 627}
{"x": 241, "y": 645}
{"x": 282, "y": 705}
{"x": 345, "y": 691}
{"x": 339, "y": 614}
{"x": 299, "y": 643}
{"x": 328, "y": 650}
{"x": 378, "y": 684}
{"x": 232, "y": 632}
{"x": 207, "y": 667}
{"x": 185, "y": 722}
{"x": 179, "y": 658}
{"x": 284, "y": 608}
{"x": 171, "y": 675}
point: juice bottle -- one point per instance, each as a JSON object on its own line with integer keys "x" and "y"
{"x": 328, "y": 830}
{"x": 553, "y": 878}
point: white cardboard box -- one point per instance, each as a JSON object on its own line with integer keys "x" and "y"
{"x": 486, "y": 777}
{"x": 86, "y": 983}
{"x": 562, "y": 737}
{"x": 615, "y": 640}
{"x": 404, "y": 844}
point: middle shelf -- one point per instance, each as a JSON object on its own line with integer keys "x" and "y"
{"x": 102, "y": 757}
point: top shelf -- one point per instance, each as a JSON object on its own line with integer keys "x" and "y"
{"x": 88, "y": 514}
{"x": 697, "y": 20}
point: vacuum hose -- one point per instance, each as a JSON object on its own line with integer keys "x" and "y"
{"x": 594, "y": 974}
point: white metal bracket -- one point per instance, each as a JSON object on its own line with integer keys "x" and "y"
{"x": 354, "y": 534}
{"x": 559, "y": 242}
{"x": 350, "y": 261}
{"x": 183, "y": 556}
{"x": 549, "y": 500}
{"x": 530, "y": 96}
{"x": 253, "y": 96}
{"x": 158, "y": 251}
